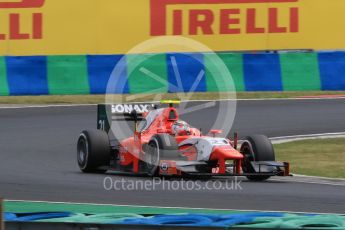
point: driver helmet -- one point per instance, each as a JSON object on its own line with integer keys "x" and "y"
{"x": 180, "y": 128}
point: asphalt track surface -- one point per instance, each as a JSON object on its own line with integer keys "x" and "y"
{"x": 38, "y": 159}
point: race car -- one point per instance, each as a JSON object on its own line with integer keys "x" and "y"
{"x": 164, "y": 145}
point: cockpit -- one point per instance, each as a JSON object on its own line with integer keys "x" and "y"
{"x": 166, "y": 119}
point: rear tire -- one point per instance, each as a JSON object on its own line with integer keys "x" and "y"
{"x": 93, "y": 151}
{"x": 256, "y": 148}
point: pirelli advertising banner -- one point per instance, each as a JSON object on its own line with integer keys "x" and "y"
{"x": 52, "y": 27}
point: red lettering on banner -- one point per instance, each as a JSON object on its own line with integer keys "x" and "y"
{"x": 22, "y": 4}
{"x": 177, "y": 22}
{"x": 226, "y": 21}
{"x": 251, "y": 22}
{"x": 203, "y": 21}
{"x": 273, "y": 26}
{"x": 15, "y": 21}
{"x": 294, "y": 19}
{"x": 37, "y": 26}
{"x": 15, "y": 33}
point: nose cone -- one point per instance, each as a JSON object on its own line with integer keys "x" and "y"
{"x": 225, "y": 152}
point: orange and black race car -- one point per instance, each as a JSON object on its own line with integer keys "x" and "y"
{"x": 164, "y": 145}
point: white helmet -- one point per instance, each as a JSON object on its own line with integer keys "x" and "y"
{"x": 180, "y": 128}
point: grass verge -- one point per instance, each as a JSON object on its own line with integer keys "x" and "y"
{"x": 95, "y": 99}
{"x": 318, "y": 157}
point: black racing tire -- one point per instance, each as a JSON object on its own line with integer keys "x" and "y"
{"x": 93, "y": 151}
{"x": 256, "y": 148}
{"x": 161, "y": 146}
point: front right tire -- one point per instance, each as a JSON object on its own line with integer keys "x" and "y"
{"x": 256, "y": 148}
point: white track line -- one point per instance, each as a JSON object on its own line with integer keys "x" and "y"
{"x": 4, "y": 106}
{"x": 288, "y": 99}
{"x": 319, "y": 177}
{"x": 308, "y": 135}
{"x": 143, "y": 206}
{"x": 285, "y": 139}
{"x": 308, "y": 182}
{"x": 44, "y": 106}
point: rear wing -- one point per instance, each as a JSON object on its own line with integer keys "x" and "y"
{"x": 107, "y": 113}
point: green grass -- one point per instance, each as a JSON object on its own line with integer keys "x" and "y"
{"x": 319, "y": 157}
{"x": 94, "y": 99}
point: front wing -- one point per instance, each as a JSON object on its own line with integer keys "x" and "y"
{"x": 192, "y": 168}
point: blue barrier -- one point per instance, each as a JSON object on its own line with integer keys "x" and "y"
{"x": 89, "y": 74}
{"x": 262, "y": 72}
{"x": 245, "y": 219}
{"x": 28, "y": 75}
{"x": 184, "y": 70}
{"x": 41, "y": 216}
{"x": 332, "y": 69}
{"x": 10, "y": 216}
{"x": 176, "y": 220}
{"x": 100, "y": 68}
{"x": 202, "y": 219}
